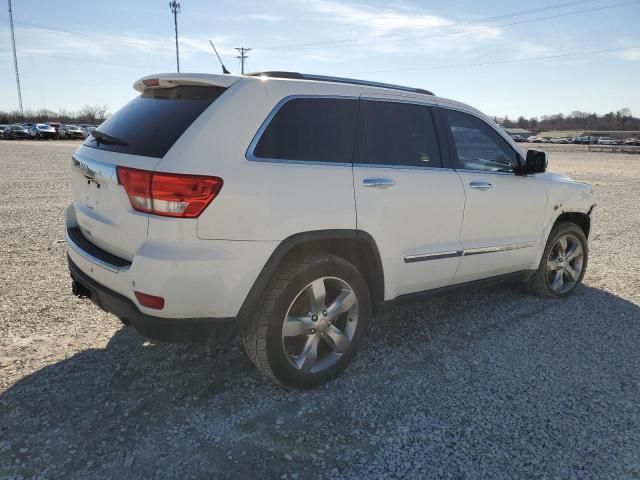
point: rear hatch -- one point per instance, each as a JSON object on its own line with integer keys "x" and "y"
{"x": 137, "y": 136}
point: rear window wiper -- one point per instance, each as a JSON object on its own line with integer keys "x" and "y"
{"x": 107, "y": 139}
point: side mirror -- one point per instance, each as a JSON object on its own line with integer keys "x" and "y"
{"x": 536, "y": 161}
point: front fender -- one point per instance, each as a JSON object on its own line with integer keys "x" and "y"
{"x": 565, "y": 197}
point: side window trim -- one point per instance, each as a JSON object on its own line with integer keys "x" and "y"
{"x": 443, "y": 147}
{"x": 249, "y": 154}
{"x": 453, "y": 151}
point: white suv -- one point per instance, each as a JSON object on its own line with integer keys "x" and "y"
{"x": 290, "y": 208}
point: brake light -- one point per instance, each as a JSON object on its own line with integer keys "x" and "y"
{"x": 168, "y": 194}
{"x": 151, "y": 82}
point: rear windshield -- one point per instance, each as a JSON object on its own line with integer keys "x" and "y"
{"x": 150, "y": 124}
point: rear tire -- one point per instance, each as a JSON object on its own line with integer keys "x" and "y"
{"x": 563, "y": 263}
{"x": 310, "y": 322}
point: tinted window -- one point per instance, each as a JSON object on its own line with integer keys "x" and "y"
{"x": 397, "y": 134}
{"x": 478, "y": 145}
{"x": 150, "y": 124}
{"x": 311, "y": 129}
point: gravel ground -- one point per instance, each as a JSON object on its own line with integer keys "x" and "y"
{"x": 493, "y": 383}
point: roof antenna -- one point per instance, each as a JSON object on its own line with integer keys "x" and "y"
{"x": 224, "y": 69}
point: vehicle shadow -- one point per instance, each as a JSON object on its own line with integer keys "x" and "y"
{"x": 487, "y": 369}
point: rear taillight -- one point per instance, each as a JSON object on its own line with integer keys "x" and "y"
{"x": 168, "y": 194}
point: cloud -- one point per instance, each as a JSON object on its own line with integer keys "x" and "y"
{"x": 391, "y": 29}
{"x": 266, "y": 17}
{"x": 41, "y": 41}
{"x": 632, "y": 55}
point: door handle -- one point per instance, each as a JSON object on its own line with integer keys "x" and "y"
{"x": 378, "y": 182}
{"x": 480, "y": 185}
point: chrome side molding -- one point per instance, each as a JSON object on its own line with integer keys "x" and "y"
{"x": 499, "y": 248}
{"x": 432, "y": 256}
{"x": 464, "y": 253}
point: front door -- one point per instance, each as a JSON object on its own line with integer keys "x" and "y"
{"x": 504, "y": 212}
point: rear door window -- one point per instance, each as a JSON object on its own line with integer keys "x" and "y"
{"x": 311, "y": 129}
{"x": 150, "y": 124}
{"x": 397, "y": 134}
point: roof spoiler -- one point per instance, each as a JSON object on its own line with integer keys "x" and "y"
{"x": 168, "y": 80}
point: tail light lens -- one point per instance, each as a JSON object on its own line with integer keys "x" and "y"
{"x": 168, "y": 194}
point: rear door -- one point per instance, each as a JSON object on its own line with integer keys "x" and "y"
{"x": 406, "y": 197}
{"x": 504, "y": 212}
{"x": 137, "y": 136}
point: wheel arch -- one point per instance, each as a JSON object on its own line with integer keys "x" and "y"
{"x": 583, "y": 220}
{"x": 355, "y": 246}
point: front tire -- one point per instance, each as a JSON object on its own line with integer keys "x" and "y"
{"x": 563, "y": 263}
{"x": 310, "y": 322}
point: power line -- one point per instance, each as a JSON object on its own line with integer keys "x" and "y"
{"x": 242, "y": 57}
{"x": 99, "y": 39}
{"x": 85, "y": 60}
{"x": 175, "y": 9}
{"x": 437, "y": 67}
{"x": 395, "y": 37}
{"x": 15, "y": 58}
{"x": 496, "y": 62}
{"x": 444, "y": 29}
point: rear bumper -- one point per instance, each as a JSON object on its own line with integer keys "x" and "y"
{"x": 196, "y": 330}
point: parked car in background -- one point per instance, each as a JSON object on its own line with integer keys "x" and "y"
{"x": 560, "y": 140}
{"x": 607, "y": 141}
{"x": 86, "y": 129}
{"x": 16, "y": 132}
{"x": 634, "y": 142}
{"x": 534, "y": 139}
{"x": 69, "y": 132}
{"x": 519, "y": 138}
{"x": 2, "y": 127}
{"x": 55, "y": 125}
{"x": 43, "y": 131}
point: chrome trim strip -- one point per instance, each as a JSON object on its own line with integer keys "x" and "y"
{"x": 402, "y": 167}
{"x": 432, "y": 256}
{"x": 464, "y": 253}
{"x": 484, "y": 172}
{"x": 93, "y": 170}
{"x": 499, "y": 248}
{"x": 87, "y": 256}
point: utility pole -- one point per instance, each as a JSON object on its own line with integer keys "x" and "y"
{"x": 175, "y": 9}
{"x": 242, "y": 57}
{"x": 15, "y": 58}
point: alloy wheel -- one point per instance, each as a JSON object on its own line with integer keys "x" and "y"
{"x": 320, "y": 324}
{"x": 565, "y": 264}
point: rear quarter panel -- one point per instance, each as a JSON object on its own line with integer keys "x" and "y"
{"x": 261, "y": 200}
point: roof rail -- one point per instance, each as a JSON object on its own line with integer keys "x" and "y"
{"x": 351, "y": 81}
